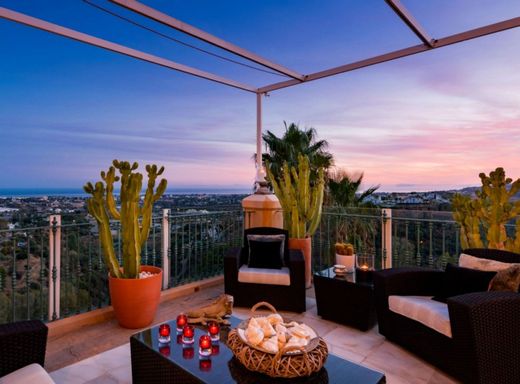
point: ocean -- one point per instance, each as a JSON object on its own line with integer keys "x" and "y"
{"x": 78, "y": 192}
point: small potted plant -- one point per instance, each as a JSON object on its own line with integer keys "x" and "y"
{"x": 134, "y": 289}
{"x": 345, "y": 255}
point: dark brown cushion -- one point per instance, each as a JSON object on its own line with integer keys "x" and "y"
{"x": 266, "y": 251}
{"x": 506, "y": 280}
{"x": 460, "y": 280}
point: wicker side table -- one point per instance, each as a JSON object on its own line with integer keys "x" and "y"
{"x": 344, "y": 300}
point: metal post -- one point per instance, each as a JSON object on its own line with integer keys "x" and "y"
{"x": 54, "y": 266}
{"x": 386, "y": 249}
{"x": 258, "y": 132}
{"x": 165, "y": 248}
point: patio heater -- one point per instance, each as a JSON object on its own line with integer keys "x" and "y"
{"x": 262, "y": 208}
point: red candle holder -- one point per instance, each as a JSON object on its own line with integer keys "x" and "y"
{"x": 188, "y": 333}
{"x": 215, "y": 349}
{"x": 188, "y": 352}
{"x": 182, "y": 320}
{"x": 214, "y": 331}
{"x": 164, "y": 333}
{"x": 205, "y": 345}
{"x": 179, "y": 338}
{"x": 205, "y": 365}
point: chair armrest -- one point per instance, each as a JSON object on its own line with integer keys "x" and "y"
{"x": 486, "y": 330}
{"x": 231, "y": 266}
{"x": 297, "y": 267}
{"x": 408, "y": 281}
{"x": 22, "y": 343}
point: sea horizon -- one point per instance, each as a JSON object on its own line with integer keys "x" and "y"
{"x": 78, "y": 192}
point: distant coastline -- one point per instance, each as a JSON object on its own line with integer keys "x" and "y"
{"x": 78, "y": 192}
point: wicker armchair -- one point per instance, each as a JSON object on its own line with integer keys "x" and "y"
{"x": 289, "y": 298}
{"x": 21, "y": 344}
{"x": 485, "y": 326}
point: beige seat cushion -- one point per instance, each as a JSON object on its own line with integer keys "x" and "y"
{"x": 423, "y": 309}
{"x": 264, "y": 275}
{"x": 31, "y": 374}
{"x": 468, "y": 261}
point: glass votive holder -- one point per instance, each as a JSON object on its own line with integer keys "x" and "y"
{"x": 214, "y": 331}
{"x": 215, "y": 349}
{"x": 205, "y": 364}
{"x": 364, "y": 268}
{"x": 164, "y": 333}
{"x": 188, "y": 333}
{"x": 182, "y": 320}
{"x": 205, "y": 345}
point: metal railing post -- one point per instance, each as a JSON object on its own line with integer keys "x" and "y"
{"x": 165, "y": 247}
{"x": 386, "y": 241}
{"x": 54, "y": 266}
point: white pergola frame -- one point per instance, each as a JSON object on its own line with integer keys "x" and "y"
{"x": 428, "y": 43}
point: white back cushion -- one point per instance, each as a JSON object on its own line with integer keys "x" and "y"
{"x": 264, "y": 275}
{"x": 468, "y": 261}
{"x": 423, "y": 309}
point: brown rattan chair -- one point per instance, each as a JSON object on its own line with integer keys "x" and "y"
{"x": 485, "y": 326}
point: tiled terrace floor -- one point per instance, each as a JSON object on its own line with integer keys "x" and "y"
{"x": 107, "y": 353}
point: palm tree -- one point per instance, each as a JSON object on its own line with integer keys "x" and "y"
{"x": 343, "y": 190}
{"x": 296, "y": 141}
{"x": 342, "y": 193}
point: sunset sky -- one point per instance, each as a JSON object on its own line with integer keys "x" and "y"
{"x": 429, "y": 121}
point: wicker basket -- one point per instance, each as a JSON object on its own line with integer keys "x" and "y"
{"x": 285, "y": 363}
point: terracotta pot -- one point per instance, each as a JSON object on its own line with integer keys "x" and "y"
{"x": 135, "y": 301}
{"x": 304, "y": 245}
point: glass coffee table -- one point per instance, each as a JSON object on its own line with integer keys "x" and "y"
{"x": 177, "y": 363}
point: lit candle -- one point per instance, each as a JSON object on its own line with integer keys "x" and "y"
{"x": 182, "y": 320}
{"x": 164, "y": 333}
{"x": 364, "y": 267}
{"x": 214, "y": 330}
{"x": 205, "y": 345}
{"x": 187, "y": 334}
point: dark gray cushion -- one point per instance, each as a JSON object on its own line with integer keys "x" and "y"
{"x": 266, "y": 251}
{"x": 460, "y": 280}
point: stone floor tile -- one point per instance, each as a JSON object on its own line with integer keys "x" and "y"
{"x": 358, "y": 342}
{"x": 396, "y": 362}
{"x": 440, "y": 377}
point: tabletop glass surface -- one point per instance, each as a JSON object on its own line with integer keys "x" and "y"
{"x": 356, "y": 277}
{"x": 222, "y": 368}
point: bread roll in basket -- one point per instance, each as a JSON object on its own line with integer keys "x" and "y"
{"x": 252, "y": 342}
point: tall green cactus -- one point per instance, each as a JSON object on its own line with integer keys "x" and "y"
{"x": 135, "y": 218}
{"x": 489, "y": 213}
{"x": 301, "y": 202}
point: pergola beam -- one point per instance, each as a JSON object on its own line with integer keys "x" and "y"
{"x": 410, "y": 21}
{"x": 169, "y": 21}
{"x": 95, "y": 41}
{"x": 452, "y": 39}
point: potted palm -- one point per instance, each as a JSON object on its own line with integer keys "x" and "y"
{"x": 301, "y": 202}
{"x": 134, "y": 289}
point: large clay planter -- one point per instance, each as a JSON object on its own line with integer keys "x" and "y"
{"x": 135, "y": 301}
{"x": 304, "y": 245}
